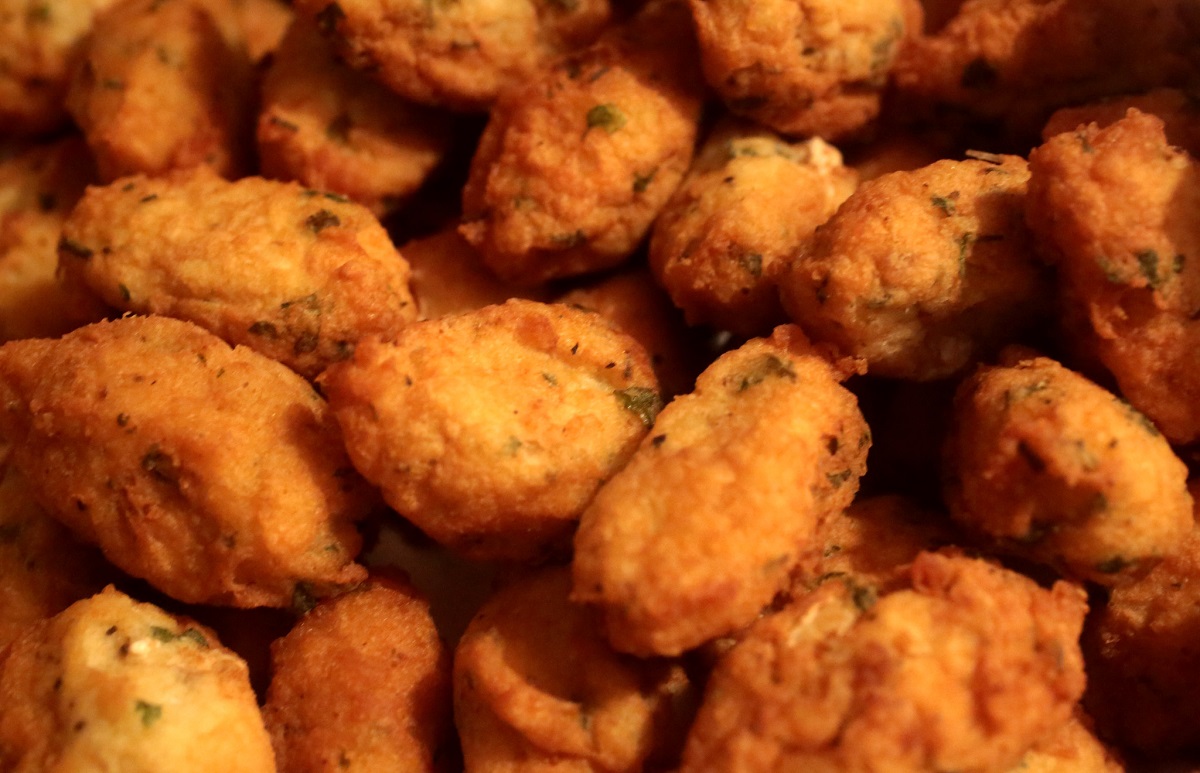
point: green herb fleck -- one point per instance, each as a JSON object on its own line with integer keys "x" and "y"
{"x": 567, "y": 241}
{"x": 305, "y": 342}
{"x": 642, "y": 181}
{"x": 550, "y": 378}
{"x": 836, "y": 479}
{"x": 39, "y": 14}
{"x": 74, "y": 249}
{"x": 150, "y": 712}
{"x": 264, "y": 329}
{"x": 124, "y": 291}
{"x": 964, "y": 249}
{"x": 163, "y": 634}
{"x": 945, "y": 203}
{"x": 752, "y": 262}
{"x": 122, "y": 419}
{"x": 644, "y": 402}
{"x": 606, "y": 117}
{"x": 864, "y": 597}
{"x": 768, "y": 366}
{"x": 303, "y": 598}
{"x": 512, "y": 446}
{"x": 1085, "y": 143}
{"x": 1114, "y": 565}
{"x": 322, "y": 219}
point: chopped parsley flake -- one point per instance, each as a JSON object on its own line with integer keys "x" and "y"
{"x": 644, "y": 402}
{"x": 607, "y": 117}
{"x": 150, "y": 712}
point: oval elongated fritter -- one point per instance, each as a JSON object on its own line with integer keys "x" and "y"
{"x": 698, "y": 532}
{"x": 295, "y": 274}
{"x": 113, "y": 684}
{"x": 214, "y": 473}
{"x": 491, "y": 430}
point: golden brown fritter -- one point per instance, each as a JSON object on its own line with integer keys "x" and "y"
{"x": 1058, "y": 469}
{"x": 1116, "y": 209}
{"x": 921, "y": 273}
{"x": 459, "y": 54}
{"x": 803, "y": 67}
{"x": 362, "y": 683}
{"x": 214, "y": 473}
{"x": 491, "y": 430}
{"x": 966, "y": 671}
{"x": 335, "y": 129}
{"x": 575, "y": 164}
{"x": 746, "y": 205}
{"x": 263, "y": 24}
{"x": 295, "y": 274}
{"x": 1179, "y": 111}
{"x": 698, "y": 532}
{"x": 113, "y": 684}
{"x": 536, "y": 688}
{"x": 39, "y": 42}
{"x": 160, "y": 87}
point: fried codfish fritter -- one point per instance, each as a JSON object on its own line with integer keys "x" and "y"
{"x": 966, "y": 671}
{"x": 536, "y": 688}
{"x": 362, "y": 683}
{"x": 575, "y": 164}
{"x": 1179, "y": 111}
{"x": 491, "y": 430}
{"x": 214, "y": 473}
{"x": 113, "y": 684}
{"x": 921, "y": 273}
{"x": 700, "y": 530}
{"x": 295, "y": 274}
{"x": 335, "y": 129}
{"x": 458, "y": 54}
{"x": 1116, "y": 208}
{"x": 746, "y": 205}
{"x": 1058, "y": 469}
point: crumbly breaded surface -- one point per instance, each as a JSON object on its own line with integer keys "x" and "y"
{"x": 965, "y": 671}
{"x": 748, "y": 202}
{"x": 362, "y": 683}
{"x": 1115, "y": 207}
{"x": 491, "y": 430}
{"x": 1178, "y": 110}
{"x": 1073, "y": 749}
{"x": 536, "y": 688}
{"x": 295, "y": 274}
{"x": 215, "y": 474}
{"x": 113, "y": 684}
{"x": 698, "y": 532}
{"x": 921, "y": 273}
{"x": 263, "y": 24}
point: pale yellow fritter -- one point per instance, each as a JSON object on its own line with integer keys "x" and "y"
{"x": 702, "y": 527}
{"x": 111, "y": 684}
{"x": 160, "y": 87}
{"x": 537, "y": 689}
{"x": 295, "y": 274}
{"x": 333, "y": 128}
{"x": 965, "y": 671}
{"x": 491, "y": 430}
{"x": 922, "y": 273}
{"x": 459, "y": 53}
{"x": 362, "y": 683}
{"x": 746, "y": 205}
{"x": 576, "y": 163}
{"x": 216, "y": 474}
{"x": 1058, "y": 469}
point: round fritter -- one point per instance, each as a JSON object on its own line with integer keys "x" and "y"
{"x": 802, "y": 67}
{"x": 112, "y": 684}
{"x": 214, "y": 473}
{"x": 333, "y": 128}
{"x": 1179, "y": 111}
{"x": 1060, "y": 470}
{"x": 700, "y": 530}
{"x": 575, "y": 164}
{"x": 295, "y": 274}
{"x": 362, "y": 683}
{"x": 966, "y": 671}
{"x": 746, "y": 205}
{"x": 457, "y": 53}
{"x": 536, "y": 688}
{"x": 1116, "y": 207}
{"x": 491, "y": 430}
{"x": 922, "y": 272}
{"x": 160, "y": 88}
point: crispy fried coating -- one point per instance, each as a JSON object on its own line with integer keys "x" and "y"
{"x": 921, "y": 273}
{"x": 966, "y": 671}
{"x": 263, "y": 24}
{"x": 459, "y": 54}
{"x": 362, "y": 683}
{"x": 746, "y": 205}
{"x": 1073, "y": 749}
{"x": 1058, "y": 469}
{"x": 39, "y": 42}
{"x": 160, "y": 87}
{"x": 335, "y": 129}
{"x": 698, "y": 532}
{"x": 574, "y": 166}
{"x": 491, "y": 430}
{"x": 536, "y": 688}
{"x": 803, "y": 67}
{"x": 1116, "y": 208}
{"x": 38, "y": 188}
{"x": 114, "y": 684}
{"x": 214, "y": 473}
{"x": 295, "y": 274}
{"x": 1179, "y": 111}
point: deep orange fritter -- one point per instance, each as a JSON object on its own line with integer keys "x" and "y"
{"x": 1179, "y": 111}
